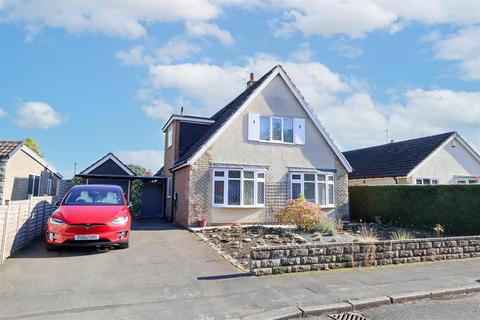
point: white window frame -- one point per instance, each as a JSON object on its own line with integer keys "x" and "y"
{"x": 422, "y": 181}
{"x": 49, "y": 186}
{"x": 270, "y": 138}
{"x": 225, "y": 179}
{"x": 330, "y": 203}
{"x": 169, "y": 187}
{"x": 466, "y": 180}
{"x": 169, "y": 137}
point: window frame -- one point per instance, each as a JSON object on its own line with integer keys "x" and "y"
{"x": 431, "y": 181}
{"x": 169, "y": 187}
{"x": 169, "y": 137}
{"x": 328, "y": 184}
{"x": 270, "y": 138}
{"x": 49, "y": 186}
{"x": 225, "y": 178}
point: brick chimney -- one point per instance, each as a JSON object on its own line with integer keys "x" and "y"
{"x": 252, "y": 80}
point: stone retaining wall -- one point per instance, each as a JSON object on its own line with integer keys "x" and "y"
{"x": 312, "y": 257}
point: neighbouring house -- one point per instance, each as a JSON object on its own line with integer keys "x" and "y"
{"x": 440, "y": 159}
{"x": 263, "y": 148}
{"x": 111, "y": 170}
{"x": 23, "y": 173}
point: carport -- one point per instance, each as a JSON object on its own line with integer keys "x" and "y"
{"x": 110, "y": 170}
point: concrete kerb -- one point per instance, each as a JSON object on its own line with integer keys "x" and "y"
{"x": 355, "y": 304}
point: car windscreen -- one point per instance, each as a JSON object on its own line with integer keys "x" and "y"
{"x": 94, "y": 197}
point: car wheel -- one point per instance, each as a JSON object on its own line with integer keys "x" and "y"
{"x": 123, "y": 245}
{"x": 51, "y": 248}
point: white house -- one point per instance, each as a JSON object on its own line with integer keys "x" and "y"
{"x": 440, "y": 159}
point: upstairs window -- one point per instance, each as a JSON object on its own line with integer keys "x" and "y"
{"x": 316, "y": 188}
{"x": 238, "y": 188}
{"x": 169, "y": 136}
{"x": 276, "y": 129}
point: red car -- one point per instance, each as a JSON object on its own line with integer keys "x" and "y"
{"x": 90, "y": 215}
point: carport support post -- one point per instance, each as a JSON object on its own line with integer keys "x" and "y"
{"x": 4, "y": 234}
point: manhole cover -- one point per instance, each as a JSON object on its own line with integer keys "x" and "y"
{"x": 347, "y": 316}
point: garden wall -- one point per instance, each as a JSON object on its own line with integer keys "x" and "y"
{"x": 456, "y": 207}
{"x": 298, "y": 258}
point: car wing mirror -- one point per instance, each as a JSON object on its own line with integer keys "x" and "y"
{"x": 129, "y": 204}
{"x": 57, "y": 204}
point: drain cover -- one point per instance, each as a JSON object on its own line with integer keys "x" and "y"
{"x": 347, "y": 316}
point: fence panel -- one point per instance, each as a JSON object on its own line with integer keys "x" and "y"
{"x": 21, "y": 222}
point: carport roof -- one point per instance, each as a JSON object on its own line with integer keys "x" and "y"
{"x": 119, "y": 177}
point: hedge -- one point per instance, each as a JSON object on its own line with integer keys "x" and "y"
{"x": 456, "y": 207}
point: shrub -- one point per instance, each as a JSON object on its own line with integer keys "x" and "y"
{"x": 327, "y": 225}
{"x": 136, "y": 198}
{"x": 302, "y": 213}
{"x": 402, "y": 234}
{"x": 368, "y": 234}
{"x": 455, "y": 207}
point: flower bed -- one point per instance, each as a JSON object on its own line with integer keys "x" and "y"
{"x": 236, "y": 243}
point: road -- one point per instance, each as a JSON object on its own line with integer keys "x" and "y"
{"x": 465, "y": 307}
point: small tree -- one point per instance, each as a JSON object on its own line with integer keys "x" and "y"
{"x": 138, "y": 170}
{"x": 302, "y": 213}
{"x": 31, "y": 144}
{"x": 136, "y": 198}
{"x": 78, "y": 180}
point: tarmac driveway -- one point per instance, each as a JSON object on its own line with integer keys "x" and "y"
{"x": 168, "y": 273}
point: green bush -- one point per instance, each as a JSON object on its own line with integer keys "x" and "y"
{"x": 456, "y": 207}
{"x": 327, "y": 225}
{"x": 136, "y": 198}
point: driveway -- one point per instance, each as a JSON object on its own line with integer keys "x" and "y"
{"x": 167, "y": 273}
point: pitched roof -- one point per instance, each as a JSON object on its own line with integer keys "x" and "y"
{"x": 227, "y": 113}
{"x": 393, "y": 159}
{"x": 6, "y": 147}
{"x": 104, "y": 159}
{"x": 220, "y": 118}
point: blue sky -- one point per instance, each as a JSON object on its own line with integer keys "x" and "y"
{"x": 84, "y": 78}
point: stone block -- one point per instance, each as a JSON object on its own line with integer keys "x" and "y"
{"x": 289, "y": 261}
{"x": 260, "y": 254}
{"x": 279, "y": 270}
{"x": 298, "y": 252}
{"x": 308, "y": 260}
{"x": 269, "y": 263}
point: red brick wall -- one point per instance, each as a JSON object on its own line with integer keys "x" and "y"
{"x": 170, "y": 155}
{"x": 182, "y": 181}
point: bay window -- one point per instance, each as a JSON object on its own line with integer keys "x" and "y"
{"x": 238, "y": 188}
{"x": 315, "y": 187}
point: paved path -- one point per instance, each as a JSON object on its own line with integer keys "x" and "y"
{"x": 168, "y": 273}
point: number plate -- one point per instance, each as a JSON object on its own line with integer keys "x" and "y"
{"x": 87, "y": 237}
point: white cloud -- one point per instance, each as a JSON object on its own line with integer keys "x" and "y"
{"x": 464, "y": 47}
{"x": 38, "y": 115}
{"x": 3, "y": 113}
{"x": 123, "y": 19}
{"x": 150, "y": 159}
{"x": 201, "y": 81}
{"x": 359, "y": 121}
{"x": 158, "y": 110}
{"x": 327, "y": 18}
{"x": 176, "y": 49}
{"x": 303, "y": 53}
{"x": 357, "y": 18}
{"x": 201, "y": 29}
{"x": 345, "y": 49}
{"x": 134, "y": 56}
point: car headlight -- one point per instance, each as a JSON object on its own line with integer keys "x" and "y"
{"x": 54, "y": 220}
{"x": 120, "y": 220}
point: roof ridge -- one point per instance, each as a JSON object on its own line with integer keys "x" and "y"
{"x": 448, "y": 134}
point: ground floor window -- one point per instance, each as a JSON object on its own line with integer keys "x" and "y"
{"x": 238, "y": 187}
{"x": 169, "y": 187}
{"x": 426, "y": 181}
{"x": 33, "y": 187}
{"x": 467, "y": 180}
{"x": 315, "y": 187}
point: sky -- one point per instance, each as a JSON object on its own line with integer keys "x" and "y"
{"x": 84, "y": 78}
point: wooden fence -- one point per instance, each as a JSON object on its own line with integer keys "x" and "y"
{"x": 21, "y": 222}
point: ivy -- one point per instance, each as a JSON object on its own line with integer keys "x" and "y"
{"x": 136, "y": 198}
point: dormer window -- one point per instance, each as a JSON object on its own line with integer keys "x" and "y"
{"x": 169, "y": 136}
{"x": 276, "y": 129}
